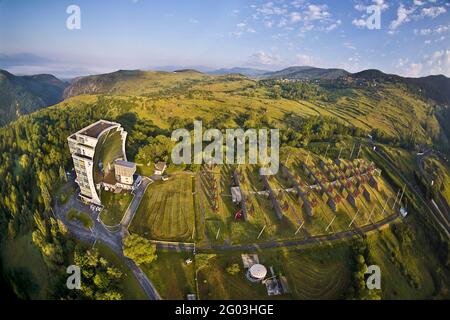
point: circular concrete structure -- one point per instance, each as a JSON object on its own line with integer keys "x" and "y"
{"x": 256, "y": 272}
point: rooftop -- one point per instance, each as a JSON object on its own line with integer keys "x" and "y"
{"x": 126, "y": 164}
{"x": 160, "y": 166}
{"x": 94, "y": 130}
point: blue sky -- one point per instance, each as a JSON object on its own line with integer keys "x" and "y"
{"x": 129, "y": 34}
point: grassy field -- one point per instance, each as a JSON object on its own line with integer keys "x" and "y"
{"x": 172, "y": 277}
{"x": 23, "y": 263}
{"x": 312, "y": 273}
{"x": 440, "y": 174}
{"x": 220, "y": 226}
{"x": 115, "y": 205}
{"x": 410, "y": 268}
{"x": 82, "y": 217}
{"x": 167, "y": 210}
{"x": 159, "y": 96}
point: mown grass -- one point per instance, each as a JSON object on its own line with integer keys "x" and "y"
{"x": 115, "y": 205}
{"x": 167, "y": 210}
{"x": 313, "y": 273}
{"x": 172, "y": 277}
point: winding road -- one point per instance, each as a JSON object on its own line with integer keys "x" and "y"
{"x": 114, "y": 240}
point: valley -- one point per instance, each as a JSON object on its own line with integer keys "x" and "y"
{"x": 349, "y": 164}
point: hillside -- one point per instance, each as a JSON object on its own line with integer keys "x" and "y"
{"x": 306, "y": 73}
{"x": 389, "y": 110}
{"x": 248, "y": 72}
{"x": 25, "y": 94}
{"x": 130, "y": 82}
{"x": 150, "y": 105}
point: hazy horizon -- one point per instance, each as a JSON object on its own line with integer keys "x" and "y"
{"x": 412, "y": 39}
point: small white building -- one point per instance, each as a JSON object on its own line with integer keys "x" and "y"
{"x": 160, "y": 167}
{"x": 256, "y": 273}
{"x": 236, "y": 194}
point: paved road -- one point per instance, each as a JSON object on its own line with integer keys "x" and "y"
{"x": 98, "y": 232}
{"x": 277, "y": 244}
{"x": 134, "y": 205}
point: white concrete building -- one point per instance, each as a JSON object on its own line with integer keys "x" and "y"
{"x": 96, "y": 151}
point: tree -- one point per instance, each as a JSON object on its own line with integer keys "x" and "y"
{"x": 233, "y": 269}
{"x": 139, "y": 249}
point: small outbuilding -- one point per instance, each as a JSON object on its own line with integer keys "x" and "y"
{"x": 160, "y": 167}
{"x": 236, "y": 194}
{"x": 257, "y": 272}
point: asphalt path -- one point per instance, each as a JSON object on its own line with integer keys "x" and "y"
{"x": 114, "y": 240}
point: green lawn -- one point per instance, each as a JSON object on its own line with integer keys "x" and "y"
{"x": 115, "y": 205}
{"x": 172, "y": 277}
{"x": 409, "y": 269}
{"x": 82, "y": 217}
{"x": 311, "y": 273}
{"x": 167, "y": 210}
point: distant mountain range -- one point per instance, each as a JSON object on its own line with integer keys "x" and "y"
{"x": 24, "y": 94}
{"x": 306, "y": 73}
{"x": 248, "y": 72}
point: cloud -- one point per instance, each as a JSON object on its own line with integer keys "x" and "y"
{"x": 300, "y": 15}
{"x": 433, "y": 12}
{"x": 241, "y": 29}
{"x": 416, "y": 12}
{"x": 428, "y": 31}
{"x": 403, "y": 16}
{"x": 333, "y": 26}
{"x": 436, "y": 63}
{"x": 360, "y": 23}
{"x": 193, "y": 21}
{"x": 408, "y": 69}
{"x": 295, "y": 17}
{"x": 317, "y": 12}
{"x": 439, "y": 62}
{"x": 305, "y": 60}
{"x": 362, "y": 6}
{"x": 263, "y": 58}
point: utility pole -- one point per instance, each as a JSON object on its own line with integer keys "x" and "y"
{"x": 371, "y": 213}
{"x": 354, "y": 218}
{"x": 217, "y": 235}
{"x": 353, "y": 149}
{"x": 326, "y": 152}
{"x": 357, "y": 156}
{"x": 396, "y": 198}
{"x": 262, "y": 230}
{"x": 339, "y": 156}
{"x": 401, "y": 197}
{"x": 326, "y": 229}
{"x": 385, "y": 205}
{"x": 299, "y": 228}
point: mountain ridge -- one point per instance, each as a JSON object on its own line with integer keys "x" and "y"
{"x": 25, "y": 94}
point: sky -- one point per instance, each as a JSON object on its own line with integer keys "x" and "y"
{"x": 38, "y": 36}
